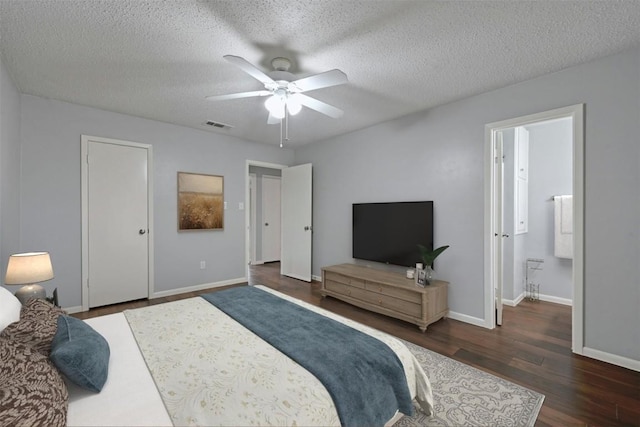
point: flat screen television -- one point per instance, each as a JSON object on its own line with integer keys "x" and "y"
{"x": 390, "y": 232}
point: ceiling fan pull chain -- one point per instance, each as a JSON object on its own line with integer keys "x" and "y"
{"x": 281, "y": 133}
{"x": 286, "y": 125}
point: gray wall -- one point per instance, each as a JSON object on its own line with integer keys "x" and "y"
{"x": 9, "y": 170}
{"x": 438, "y": 155}
{"x": 51, "y": 208}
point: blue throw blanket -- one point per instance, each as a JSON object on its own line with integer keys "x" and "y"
{"x": 363, "y": 375}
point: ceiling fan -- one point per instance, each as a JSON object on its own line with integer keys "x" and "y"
{"x": 285, "y": 95}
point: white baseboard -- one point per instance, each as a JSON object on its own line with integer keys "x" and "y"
{"x": 542, "y": 297}
{"x": 198, "y": 287}
{"x": 513, "y": 303}
{"x": 78, "y": 308}
{"x": 74, "y": 309}
{"x": 316, "y": 278}
{"x": 557, "y": 300}
{"x": 467, "y": 319}
{"x": 614, "y": 359}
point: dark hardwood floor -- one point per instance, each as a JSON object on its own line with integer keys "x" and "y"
{"x": 532, "y": 348}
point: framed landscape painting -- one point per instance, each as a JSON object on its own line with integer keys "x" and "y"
{"x": 200, "y": 201}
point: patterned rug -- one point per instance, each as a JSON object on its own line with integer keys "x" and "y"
{"x": 466, "y": 396}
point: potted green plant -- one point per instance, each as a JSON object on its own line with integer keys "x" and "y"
{"x": 428, "y": 257}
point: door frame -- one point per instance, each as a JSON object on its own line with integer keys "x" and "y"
{"x": 84, "y": 198}
{"x": 498, "y": 222}
{"x": 576, "y": 113}
{"x": 253, "y": 199}
{"x": 247, "y": 203}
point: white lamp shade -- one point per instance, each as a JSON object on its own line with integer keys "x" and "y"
{"x": 293, "y": 105}
{"x": 27, "y": 268}
{"x": 275, "y": 105}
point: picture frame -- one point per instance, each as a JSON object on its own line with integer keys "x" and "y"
{"x": 200, "y": 202}
{"x": 421, "y": 278}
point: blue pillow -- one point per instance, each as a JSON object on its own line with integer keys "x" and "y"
{"x": 80, "y": 353}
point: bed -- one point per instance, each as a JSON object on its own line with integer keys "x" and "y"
{"x": 189, "y": 362}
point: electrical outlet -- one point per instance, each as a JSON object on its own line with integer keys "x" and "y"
{"x": 203, "y": 265}
{"x": 240, "y": 206}
{"x": 225, "y": 206}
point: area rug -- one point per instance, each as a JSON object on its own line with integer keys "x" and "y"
{"x": 466, "y": 396}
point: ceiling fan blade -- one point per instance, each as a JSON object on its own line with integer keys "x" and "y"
{"x": 248, "y": 68}
{"x": 272, "y": 120}
{"x": 319, "y": 81}
{"x": 239, "y": 95}
{"x": 319, "y": 106}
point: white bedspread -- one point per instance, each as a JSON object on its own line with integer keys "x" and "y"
{"x": 210, "y": 370}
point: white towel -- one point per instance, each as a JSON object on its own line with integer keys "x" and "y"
{"x": 563, "y": 230}
{"x": 566, "y": 214}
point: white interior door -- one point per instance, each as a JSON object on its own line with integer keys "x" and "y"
{"x": 271, "y": 208}
{"x": 499, "y": 226}
{"x": 117, "y": 223}
{"x": 296, "y": 222}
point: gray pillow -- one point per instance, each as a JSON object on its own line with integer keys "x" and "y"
{"x": 80, "y": 353}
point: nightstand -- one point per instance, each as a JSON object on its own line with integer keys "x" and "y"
{"x": 53, "y": 299}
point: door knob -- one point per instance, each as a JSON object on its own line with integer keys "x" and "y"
{"x": 266, "y": 224}
{"x": 307, "y": 228}
{"x": 505, "y": 235}
{"x": 141, "y": 231}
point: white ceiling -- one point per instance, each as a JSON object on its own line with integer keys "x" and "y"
{"x": 159, "y": 60}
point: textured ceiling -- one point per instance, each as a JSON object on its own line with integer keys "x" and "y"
{"x": 159, "y": 59}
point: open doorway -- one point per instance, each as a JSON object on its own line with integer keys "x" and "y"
{"x": 538, "y": 191}
{"x": 500, "y": 228}
{"x": 295, "y": 217}
{"x": 264, "y": 209}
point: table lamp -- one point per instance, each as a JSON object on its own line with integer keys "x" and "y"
{"x": 29, "y": 269}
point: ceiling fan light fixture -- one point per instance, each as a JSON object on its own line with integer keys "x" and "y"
{"x": 293, "y": 105}
{"x": 275, "y": 105}
{"x": 284, "y": 93}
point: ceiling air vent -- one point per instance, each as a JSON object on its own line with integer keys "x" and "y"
{"x": 218, "y": 125}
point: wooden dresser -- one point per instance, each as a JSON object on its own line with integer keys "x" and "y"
{"x": 387, "y": 293}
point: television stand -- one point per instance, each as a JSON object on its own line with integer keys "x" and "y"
{"x": 386, "y": 292}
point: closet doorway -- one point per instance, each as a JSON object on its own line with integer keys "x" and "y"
{"x": 525, "y": 173}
